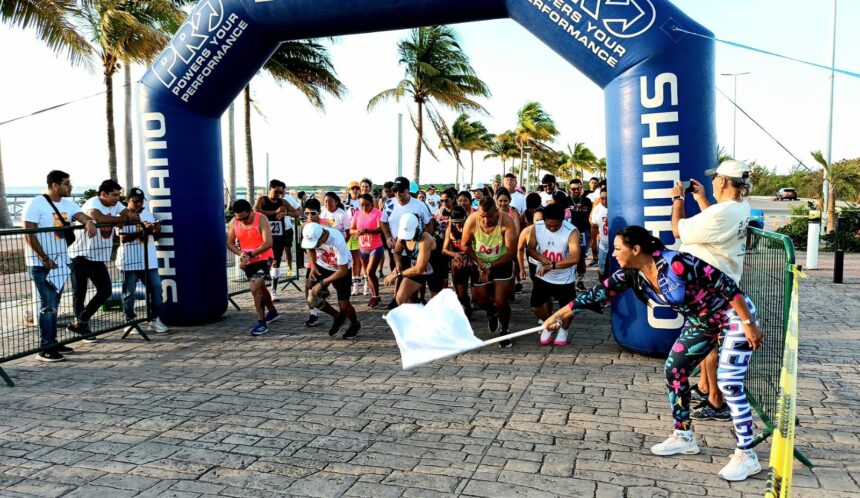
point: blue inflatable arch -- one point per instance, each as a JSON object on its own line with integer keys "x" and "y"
{"x": 660, "y": 123}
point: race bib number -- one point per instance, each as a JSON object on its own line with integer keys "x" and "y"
{"x": 554, "y": 257}
{"x": 583, "y": 239}
{"x": 327, "y": 258}
{"x": 277, "y": 227}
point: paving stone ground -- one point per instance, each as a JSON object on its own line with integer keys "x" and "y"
{"x": 211, "y": 411}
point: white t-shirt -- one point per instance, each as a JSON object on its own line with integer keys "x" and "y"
{"x": 545, "y": 197}
{"x": 339, "y": 220}
{"x": 518, "y": 201}
{"x": 433, "y": 201}
{"x": 288, "y": 220}
{"x": 593, "y": 196}
{"x": 100, "y": 247}
{"x": 718, "y": 236}
{"x": 129, "y": 257}
{"x": 599, "y": 216}
{"x": 394, "y": 211}
{"x": 334, "y": 252}
{"x": 37, "y": 210}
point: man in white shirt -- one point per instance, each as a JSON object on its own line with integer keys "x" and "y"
{"x": 331, "y": 264}
{"x": 137, "y": 259}
{"x": 401, "y": 203}
{"x": 432, "y": 199}
{"x": 518, "y": 200}
{"x": 716, "y": 235}
{"x": 89, "y": 255}
{"x": 47, "y": 255}
{"x": 548, "y": 186}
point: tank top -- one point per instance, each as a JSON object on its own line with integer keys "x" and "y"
{"x": 490, "y": 246}
{"x": 457, "y": 239}
{"x": 277, "y": 225}
{"x": 554, "y": 247}
{"x": 412, "y": 254}
{"x": 250, "y": 238}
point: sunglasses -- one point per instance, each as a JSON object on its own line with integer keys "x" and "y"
{"x": 312, "y": 213}
{"x": 547, "y": 186}
{"x": 575, "y": 188}
{"x": 278, "y": 192}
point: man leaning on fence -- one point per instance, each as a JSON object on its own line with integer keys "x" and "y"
{"x": 47, "y": 256}
{"x": 139, "y": 262}
{"x": 91, "y": 254}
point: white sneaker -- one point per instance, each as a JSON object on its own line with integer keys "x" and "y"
{"x": 561, "y": 338}
{"x": 744, "y": 463}
{"x": 276, "y": 296}
{"x": 354, "y": 288}
{"x": 545, "y": 337}
{"x": 158, "y": 326}
{"x": 680, "y": 442}
{"x": 365, "y": 291}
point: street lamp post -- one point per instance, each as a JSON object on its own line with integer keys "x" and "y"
{"x": 735, "y": 114}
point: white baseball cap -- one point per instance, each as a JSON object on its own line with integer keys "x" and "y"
{"x": 730, "y": 168}
{"x": 311, "y": 234}
{"x": 408, "y": 226}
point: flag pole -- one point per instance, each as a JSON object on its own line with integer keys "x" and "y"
{"x": 512, "y": 335}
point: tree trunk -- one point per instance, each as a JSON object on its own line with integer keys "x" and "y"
{"x": 472, "y": 174}
{"x": 504, "y": 165}
{"x": 522, "y": 153}
{"x": 111, "y": 129}
{"x": 416, "y": 172}
{"x": 129, "y": 147}
{"x": 831, "y": 207}
{"x": 231, "y": 153}
{"x": 249, "y": 149}
{"x": 5, "y": 218}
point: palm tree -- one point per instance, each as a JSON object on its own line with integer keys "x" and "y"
{"x": 502, "y": 146}
{"x": 304, "y": 64}
{"x": 600, "y": 167}
{"x": 465, "y": 135}
{"x": 126, "y": 31}
{"x": 51, "y": 19}
{"x": 129, "y": 150}
{"x": 535, "y": 127}
{"x": 842, "y": 177}
{"x": 437, "y": 70}
{"x": 581, "y": 157}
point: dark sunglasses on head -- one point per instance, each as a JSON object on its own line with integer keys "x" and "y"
{"x": 312, "y": 213}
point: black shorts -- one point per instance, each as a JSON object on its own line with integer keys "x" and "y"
{"x": 544, "y": 292}
{"x": 505, "y": 271}
{"x": 259, "y": 269}
{"x": 342, "y": 286}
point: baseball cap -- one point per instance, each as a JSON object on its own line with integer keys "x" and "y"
{"x": 311, "y": 234}
{"x": 408, "y": 227}
{"x": 353, "y": 185}
{"x": 458, "y": 214}
{"x": 730, "y": 168}
{"x": 477, "y": 186}
{"x": 431, "y": 187}
{"x": 136, "y": 194}
{"x": 401, "y": 184}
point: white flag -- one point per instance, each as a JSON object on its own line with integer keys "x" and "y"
{"x": 428, "y": 333}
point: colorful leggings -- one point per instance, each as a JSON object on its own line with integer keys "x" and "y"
{"x": 690, "y": 349}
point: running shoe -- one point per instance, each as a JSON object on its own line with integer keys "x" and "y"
{"x": 561, "y": 338}
{"x": 580, "y": 285}
{"x": 706, "y": 411}
{"x": 64, "y": 350}
{"x": 593, "y": 263}
{"x": 50, "y": 356}
{"x": 259, "y": 329}
{"x": 276, "y": 297}
{"x": 82, "y": 329}
{"x": 271, "y": 316}
{"x": 696, "y": 394}
{"x": 392, "y": 304}
{"x": 312, "y": 321}
{"x": 352, "y": 331}
{"x": 679, "y": 443}
{"x": 365, "y": 289}
{"x": 744, "y": 463}
{"x": 158, "y": 326}
{"x": 518, "y": 288}
{"x": 354, "y": 291}
{"x": 507, "y": 342}
{"x": 545, "y": 336}
{"x": 339, "y": 320}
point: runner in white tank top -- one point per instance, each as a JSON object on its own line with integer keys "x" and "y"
{"x": 554, "y": 247}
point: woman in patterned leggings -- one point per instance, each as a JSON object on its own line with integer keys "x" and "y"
{"x": 718, "y": 315}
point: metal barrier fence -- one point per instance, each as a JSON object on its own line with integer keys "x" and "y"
{"x": 237, "y": 282}
{"x": 768, "y": 279}
{"x": 21, "y": 308}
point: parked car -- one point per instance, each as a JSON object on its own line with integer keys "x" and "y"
{"x": 786, "y": 193}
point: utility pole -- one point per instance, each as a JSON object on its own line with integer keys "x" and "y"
{"x": 829, "y": 149}
{"x": 735, "y": 114}
{"x": 400, "y": 144}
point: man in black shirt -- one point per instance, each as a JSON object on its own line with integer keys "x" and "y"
{"x": 276, "y": 210}
{"x": 580, "y": 209}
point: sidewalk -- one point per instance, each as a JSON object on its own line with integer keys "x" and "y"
{"x": 212, "y": 411}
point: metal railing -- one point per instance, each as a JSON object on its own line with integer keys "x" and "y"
{"x": 20, "y": 302}
{"x": 15, "y": 204}
{"x": 768, "y": 279}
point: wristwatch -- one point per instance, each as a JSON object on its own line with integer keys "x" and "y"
{"x": 748, "y": 321}
{"x": 487, "y": 266}
{"x": 677, "y": 198}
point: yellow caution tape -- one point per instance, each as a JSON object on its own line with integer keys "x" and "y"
{"x": 782, "y": 448}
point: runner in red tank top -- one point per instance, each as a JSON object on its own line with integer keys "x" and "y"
{"x": 249, "y": 236}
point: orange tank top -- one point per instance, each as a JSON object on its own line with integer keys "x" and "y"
{"x": 250, "y": 237}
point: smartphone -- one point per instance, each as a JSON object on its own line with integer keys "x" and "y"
{"x": 689, "y": 187}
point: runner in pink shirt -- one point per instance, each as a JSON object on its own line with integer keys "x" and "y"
{"x": 366, "y": 226}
